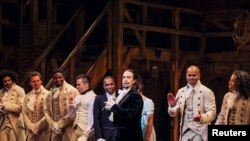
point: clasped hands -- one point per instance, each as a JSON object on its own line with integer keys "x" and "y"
{"x": 109, "y": 104}
{"x": 33, "y": 128}
{"x": 56, "y": 128}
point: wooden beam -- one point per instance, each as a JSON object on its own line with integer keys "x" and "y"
{"x": 49, "y": 20}
{"x": 120, "y": 44}
{"x": 98, "y": 70}
{"x": 49, "y": 48}
{"x": 137, "y": 34}
{"x": 110, "y": 38}
{"x": 242, "y": 56}
{"x": 134, "y": 53}
{"x": 128, "y": 58}
{"x": 219, "y": 24}
{"x": 174, "y": 79}
{"x": 34, "y": 24}
{"x": 218, "y": 34}
{"x": 162, "y": 30}
{"x": 72, "y": 71}
{"x": 163, "y": 7}
{"x": 221, "y": 15}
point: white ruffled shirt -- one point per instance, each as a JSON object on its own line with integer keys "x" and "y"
{"x": 121, "y": 93}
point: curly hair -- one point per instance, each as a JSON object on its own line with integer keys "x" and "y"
{"x": 242, "y": 83}
{"x": 10, "y": 73}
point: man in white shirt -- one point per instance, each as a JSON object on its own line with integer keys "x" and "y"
{"x": 82, "y": 110}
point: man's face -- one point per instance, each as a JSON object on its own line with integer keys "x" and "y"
{"x": 7, "y": 82}
{"x": 81, "y": 86}
{"x": 128, "y": 79}
{"x": 58, "y": 79}
{"x": 109, "y": 85}
{"x": 35, "y": 82}
{"x": 192, "y": 75}
{"x": 232, "y": 83}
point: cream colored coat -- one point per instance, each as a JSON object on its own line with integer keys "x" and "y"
{"x": 203, "y": 101}
{"x": 242, "y": 115}
{"x": 58, "y": 113}
{"x": 33, "y": 114}
{"x": 13, "y": 108}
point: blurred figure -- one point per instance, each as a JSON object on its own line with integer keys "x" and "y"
{"x": 103, "y": 119}
{"x": 235, "y": 109}
{"x": 55, "y": 110}
{"x": 82, "y": 110}
{"x": 11, "y": 101}
{"x": 147, "y": 119}
{"x": 33, "y": 106}
{"x": 196, "y": 105}
{"x": 127, "y": 109}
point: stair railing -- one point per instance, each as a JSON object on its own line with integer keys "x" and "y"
{"x": 83, "y": 39}
{"x": 49, "y": 48}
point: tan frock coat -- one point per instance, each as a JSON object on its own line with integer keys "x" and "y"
{"x": 55, "y": 111}
{"x": 203, "y": 101}
{"x": 242, "y": 114}
{"x": 33, "y": 113}
{"x": 11, "y": 119}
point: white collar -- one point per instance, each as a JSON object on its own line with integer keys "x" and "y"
{"x": 110, "y": 95}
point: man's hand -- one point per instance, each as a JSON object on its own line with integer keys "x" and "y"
{"x": 109, "y": 104}
{"x": 33, "y": 128}
{"x": 172, "y": 100}
{"x": 71, "y": 111}
{"x": 197, "y": 117}
{"x": 56, "y": 129}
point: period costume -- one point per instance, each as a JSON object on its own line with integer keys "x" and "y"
{"x": 148, "y": 109}
{"x": 33, "y": 114}
{"x": 83, "y": 121}
{"x": 103, "y": 122}
{"x": 235, "y": 110}
{"x": 127, "y": 116}
{"x": 11, "y": 119}
{"x": 191, "y": 101}
{"x": 56, "y": 110}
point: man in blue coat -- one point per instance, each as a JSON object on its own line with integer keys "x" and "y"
{"x": 103, "y": 119}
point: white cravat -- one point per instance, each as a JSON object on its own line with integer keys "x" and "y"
{"x": 121, "y": 93}
{"x": 190, "y": 90}
{"x": 56, "y": 92}
{"x": 111, "y": 96}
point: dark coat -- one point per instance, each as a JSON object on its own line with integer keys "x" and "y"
{"x": 127, "y": 118}
{"x": 102, "y": 125}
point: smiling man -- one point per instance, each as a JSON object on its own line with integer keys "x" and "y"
{"x": 196, "y": 105}
{"x": 56, "y": 107}
{"x": 103, "y": 119}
